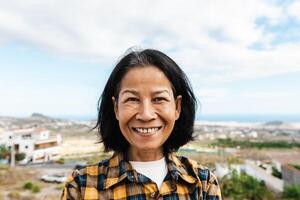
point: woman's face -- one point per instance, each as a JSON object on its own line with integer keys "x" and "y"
{"x": 146, "y": 109}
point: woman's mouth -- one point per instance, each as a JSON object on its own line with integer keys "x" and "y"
{"x": 146, "y": 131}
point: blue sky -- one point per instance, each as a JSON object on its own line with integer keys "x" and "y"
{"x": 242, "y": 57}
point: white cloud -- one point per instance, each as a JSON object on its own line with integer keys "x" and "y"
{"x": 103, "y": 30}
{"x": 222, "y": 101}
{"x": 212, "y": 94}
{"x": 294, "y": 9}
{"x": 23, "y": 99}
{"x": 266, "y": 96}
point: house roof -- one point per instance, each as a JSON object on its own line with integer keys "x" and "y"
{"x": 27, "y": 130}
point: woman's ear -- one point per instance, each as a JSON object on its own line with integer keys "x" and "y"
{"x": 115, "y": 103}
{"x": 178, "y": 101}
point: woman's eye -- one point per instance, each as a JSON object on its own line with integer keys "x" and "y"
{"x": 159, "y": 99}
{"x": 132, "y": 99}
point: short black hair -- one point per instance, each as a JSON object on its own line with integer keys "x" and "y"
{"x": 108, "y": 125}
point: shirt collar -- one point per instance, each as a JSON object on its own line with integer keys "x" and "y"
{"x": 119, "y": 169}
{"x": 178, "y": 169}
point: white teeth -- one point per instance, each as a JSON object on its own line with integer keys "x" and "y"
{"x": 146, "y": 130}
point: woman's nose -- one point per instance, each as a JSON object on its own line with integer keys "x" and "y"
{"x": 146, "y": 111}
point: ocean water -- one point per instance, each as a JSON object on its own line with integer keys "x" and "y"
{"x": 217, "y": 117}
{"x": 76, "y": 117}
{"x": 248, "y": 117}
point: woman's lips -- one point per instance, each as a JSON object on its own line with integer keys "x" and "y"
{"x": 146, "y": 130}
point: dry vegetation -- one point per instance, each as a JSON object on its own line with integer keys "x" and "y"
{"x": 12, "y": 181}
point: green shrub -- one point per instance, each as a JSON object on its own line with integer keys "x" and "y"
{"x": 295, "y": 166}
{"x": 228, "y": 142}
{"x": 276, "y": 173}
{"x": 36, "y": 189}
{"x": 31, "y": 186}
{"x": 28, "y": 186}
{"x": 241, "y": 186}
{"x": 20, "y": 156}
{"x": 61, "y": 161}
{"x": 291, "y": 192}
{"x": 4, "y": 152}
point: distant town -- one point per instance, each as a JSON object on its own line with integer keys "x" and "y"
{"x": 268, "y": 152}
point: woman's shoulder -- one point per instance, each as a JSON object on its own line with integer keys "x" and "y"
{"x": 86, "y": 179}
{"x": 94, "y": 169}
{"x": 208, "y": 179}
{"x": 90, "y": 176}
{"x": 197, "y": 170}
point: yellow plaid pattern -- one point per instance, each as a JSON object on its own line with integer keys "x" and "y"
{"x": 115, "y": 178}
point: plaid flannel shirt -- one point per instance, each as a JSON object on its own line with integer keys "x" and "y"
{"x": 115, "y": 178}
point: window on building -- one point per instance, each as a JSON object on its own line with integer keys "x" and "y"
{"x": 26, "y": 136}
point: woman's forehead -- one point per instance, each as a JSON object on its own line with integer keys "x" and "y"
{"x": 145, "y": 77}
{"x": 144, "y": 69}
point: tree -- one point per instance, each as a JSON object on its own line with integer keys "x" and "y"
{"x": 4, "y": 152}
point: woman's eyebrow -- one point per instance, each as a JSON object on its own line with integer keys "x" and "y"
{"x": 129, "y": 91}
{"x": 161, "y": 91}
{"x": 136, "y": 93}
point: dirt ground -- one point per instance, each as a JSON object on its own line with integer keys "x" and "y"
{"x": 12, "y": 181}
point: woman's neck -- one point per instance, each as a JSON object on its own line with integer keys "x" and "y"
{"x": 144, "y": 155}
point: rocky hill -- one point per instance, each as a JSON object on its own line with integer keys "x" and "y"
{"x": 43, "y": 121}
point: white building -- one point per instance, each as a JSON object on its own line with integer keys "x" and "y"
{"x": 36, "y": 143}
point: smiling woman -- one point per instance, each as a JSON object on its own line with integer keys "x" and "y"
{"x": 146, "y": 110}
{"x": 146, "y": 113}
